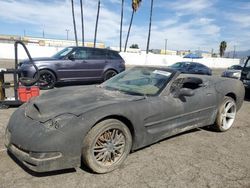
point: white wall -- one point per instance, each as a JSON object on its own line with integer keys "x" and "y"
{"x": 7, "y": 52}
{"x": 166, "y": 60}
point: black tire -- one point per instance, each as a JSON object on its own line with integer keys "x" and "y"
{"x": 109, "y": 74}
{"x": 106, "y": 146}
{"x": 47, "y": 80}
{"x": 225, "y": 116}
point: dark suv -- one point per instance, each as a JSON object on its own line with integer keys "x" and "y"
{"x": 75, "y": 64}
{"x": 245, "y": 74}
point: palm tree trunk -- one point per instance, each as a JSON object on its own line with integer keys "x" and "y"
{"x": 74, "y": 21}
{"x": 96, "y": 24}
{"x": 150, "y": 23}
{"x": 82, "y": 23}
{"x": 131, "y": 21}
{"x": 121, "y": 25}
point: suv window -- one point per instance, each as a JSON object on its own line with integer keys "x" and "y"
{"x": 80, "y": 54}
{"x": 113, "y": 55}
{"x": 96, "y": 54}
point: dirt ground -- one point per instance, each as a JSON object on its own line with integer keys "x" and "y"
{"x": 198, "y": 158}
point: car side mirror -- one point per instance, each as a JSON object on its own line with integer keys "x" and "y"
{"x": 184, "y": 92}
{"x": 71, "y": 57}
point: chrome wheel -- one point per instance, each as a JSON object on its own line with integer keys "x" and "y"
{"x": 109, "y": 147}
{"x": 228, "y": 115}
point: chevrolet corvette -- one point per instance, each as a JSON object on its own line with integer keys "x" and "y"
{"x": 100, "y": 125}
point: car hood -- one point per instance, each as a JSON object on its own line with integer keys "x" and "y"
{"x": 73, "y": 100}
{"x": 38, "y": 59}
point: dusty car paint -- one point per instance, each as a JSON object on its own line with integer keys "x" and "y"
{"x": 56, "y": 123}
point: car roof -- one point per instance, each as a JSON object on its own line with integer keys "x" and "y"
{"x": 195, "y": 63}
{"x": 84, "y": 47}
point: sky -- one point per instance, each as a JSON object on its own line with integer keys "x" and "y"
{"x": 186, "y": 24}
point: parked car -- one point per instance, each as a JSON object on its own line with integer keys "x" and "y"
{"x": 245, "y": 74}
{"x": 233, "y": 72}
{"x": 75, "y": 64}
{"x": 191, "y": 68}
{"x": 101, "y": 125}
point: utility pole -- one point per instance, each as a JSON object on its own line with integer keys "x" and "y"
{"x": 24, "y": 32}
{"x": 166, "y": 46}
{"x": 67, "y": 30}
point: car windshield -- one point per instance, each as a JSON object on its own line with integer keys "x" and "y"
{"x": 179, "y": 65}
{"x": 235, "y": 67}
{"x": 140, "y": 81}
{"x": 62, "y": 53}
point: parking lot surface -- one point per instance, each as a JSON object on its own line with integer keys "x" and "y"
{"x": 198, "y": 158}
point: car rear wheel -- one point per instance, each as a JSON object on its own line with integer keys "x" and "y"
{"x": 226, "y": 115}
{"x": 109, "y": 74}
{"x": 106, "y": 146}
{"x": 47, "y": 80}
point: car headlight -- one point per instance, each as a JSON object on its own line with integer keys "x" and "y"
{"x": 59, "y": 121}
{"x": 236, "y": 74}
{"x": 7, "y": 137}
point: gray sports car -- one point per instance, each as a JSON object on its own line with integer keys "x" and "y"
{"x": 101, "y": 125}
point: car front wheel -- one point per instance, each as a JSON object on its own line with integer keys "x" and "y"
{"x": 226, "y": 115}
{"x": 47, "y": 80}
{"x": 106, "y": 146}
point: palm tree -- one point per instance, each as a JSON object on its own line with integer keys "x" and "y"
{"x": 97, "y": 19}
{"x": 150, "y": 22}
{"x": 135, "y": 6}
{"x": 74, "y": 21}
{"x": 223, "y": 46}
{"x": 121, "y": 25}
{"x": 82, "y": 22}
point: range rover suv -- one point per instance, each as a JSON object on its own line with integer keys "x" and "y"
{"x": 74, "y": 64}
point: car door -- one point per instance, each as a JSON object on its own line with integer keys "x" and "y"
{"x": 95, "y": 63}
{"x": 171, "y": 114}
{"x": 83, "y": 64}
{"x": 73, "y": 66}
{"x": 245, "y": 74}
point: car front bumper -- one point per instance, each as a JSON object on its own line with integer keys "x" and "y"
{"x": 38, "y": 150}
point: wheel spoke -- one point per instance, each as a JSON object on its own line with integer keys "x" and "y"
{"x": 230, "y": 115}
{"x": 109, "y": 147}
{"x": 100, "y": 156}
{"x": 224, "y": 122}
{"x": 228, "y": 106}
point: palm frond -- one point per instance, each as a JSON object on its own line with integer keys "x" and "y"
{"x": 136, "y": 4}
